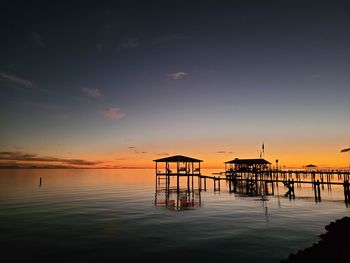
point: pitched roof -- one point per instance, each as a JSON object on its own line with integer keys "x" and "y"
{"x": 248, "y": 161}
{"x": 177, "y": 158}
{"x": 310, "y": 165}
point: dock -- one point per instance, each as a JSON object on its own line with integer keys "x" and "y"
{"x": 248, "y": 177}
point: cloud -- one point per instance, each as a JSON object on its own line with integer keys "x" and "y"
{"x": 28, "y": 157}
{"x": 128, "y": 43}
{"x": 113, "y": 113}
{"x": 38, "y": 40}
{"x": 345, "y": 150}
{"x": 139, "y": 152}
{"x": 135, "y": 150}
{"x": 224, "y": 152}
{"x": 163, "y": 154}
{"x": 81, "y": 162}
{"x": 315, "y": 76}
{"x": 17, "y": 80}
{"x": 177, "y": 75}
{"x": 93, "y": 93}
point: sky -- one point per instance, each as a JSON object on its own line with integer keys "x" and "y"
{"x": 117, "y": 84}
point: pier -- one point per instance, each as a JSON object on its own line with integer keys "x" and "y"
{"x": 248, "y": 177}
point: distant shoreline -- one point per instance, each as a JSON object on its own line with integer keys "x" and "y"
{"x": 78, "y": 168}
{"x": 138, "y": 168}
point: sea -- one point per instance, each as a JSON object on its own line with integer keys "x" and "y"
{"x": 126, "y": 215}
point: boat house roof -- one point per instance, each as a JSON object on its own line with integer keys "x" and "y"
{"x": 310, "y": 166}
{"x": 248, "y": 161}
{"x": 177, "y": 158}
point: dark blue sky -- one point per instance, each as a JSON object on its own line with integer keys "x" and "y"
{"x": 95, "y": 78}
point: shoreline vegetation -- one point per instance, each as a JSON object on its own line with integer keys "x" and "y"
{"x": 333, "y": 246}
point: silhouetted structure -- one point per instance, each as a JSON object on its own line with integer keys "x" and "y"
{"x": 246, "y": 165}
{"x": 246, "y": 176}
{"x": 175, "y": 197}
{"x": 183, "y": 165}
{"x": 310, "y": 167}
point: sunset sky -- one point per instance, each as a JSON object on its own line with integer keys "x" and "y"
{"x": 115, "y": 84}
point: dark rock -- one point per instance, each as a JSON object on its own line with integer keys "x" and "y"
{"x": 333, "y": 246}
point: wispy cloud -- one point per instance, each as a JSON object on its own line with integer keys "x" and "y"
{"x": 128, "y": 43}
{"x": 345, "y": 150}
{"x": 315, "y": 76}
{"x": 224, "y": 152}
{"x": 93, "y": 93}
{"x": 38, "y": 40}
{"x": 163, "y": 154}
{"x": 24, "y": 83}
{"x": 139, "y": 152}
{"x": 113, "y": 113}
{"x": 177, "y": 75}
{"x": 135, "y": 150}
{"x": 28, "y": 157}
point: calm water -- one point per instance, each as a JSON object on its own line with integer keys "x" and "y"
{"x": 110, "y": 215}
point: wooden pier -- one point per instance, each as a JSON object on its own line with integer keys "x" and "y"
{"x": 251, "y": 179}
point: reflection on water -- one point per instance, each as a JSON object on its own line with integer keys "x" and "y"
{"x": 177, "y": 197}
{"x": 106, "y": 215}
{"x": 180, "y": 199}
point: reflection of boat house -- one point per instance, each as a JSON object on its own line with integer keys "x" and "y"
{"x": 177, "y": 200}
{"x": 178, "y": 165}
{"x": 246, "y": 165}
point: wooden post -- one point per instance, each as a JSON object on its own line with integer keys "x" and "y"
{"x": 188, "y": 183}
{"x": 273, "y": 187}
{"x": 314, "y": 186}
{"x": 178, "y": 183}
{"x": 346, "y": 191}
{"x": 318, "y": 190}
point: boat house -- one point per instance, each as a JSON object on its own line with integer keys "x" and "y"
{"x": 246, "y": 165}
{"x": 178, "y": 165}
